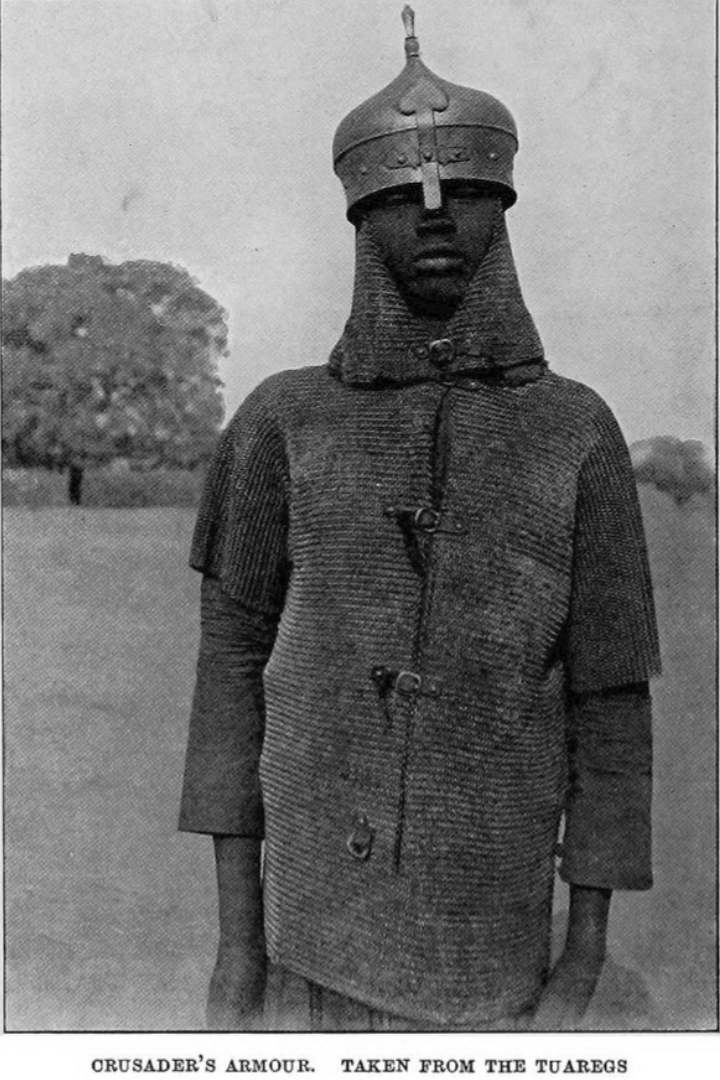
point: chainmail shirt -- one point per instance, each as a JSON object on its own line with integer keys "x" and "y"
{"x": 437, "y": 558}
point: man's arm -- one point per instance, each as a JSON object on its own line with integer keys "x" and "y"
{"x": 221, "y": 789}
{"x": 221, "y": 794}
{"x": 607, "y": 837}
{"x": 237, "y": 985}
{"x": 573, "y": 979}
{"x": 610, "y": 649}
{"x": 240, "y": 545}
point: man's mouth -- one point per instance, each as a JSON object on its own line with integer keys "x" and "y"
{"x": 438, "y": 260}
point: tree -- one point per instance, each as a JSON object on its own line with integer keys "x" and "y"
{"x": 103, "y": 361}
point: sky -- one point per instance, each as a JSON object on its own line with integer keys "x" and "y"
{"x": 199, "y": 132}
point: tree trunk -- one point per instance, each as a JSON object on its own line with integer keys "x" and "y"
{"x": 75, "y": 480}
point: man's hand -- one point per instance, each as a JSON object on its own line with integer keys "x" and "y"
{"x": 237, "y": 986}
{"x": 572, "y": 982}
{"x": 568, "y": 993}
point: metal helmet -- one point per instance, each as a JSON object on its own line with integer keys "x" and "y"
{"x": 422, "y": 129}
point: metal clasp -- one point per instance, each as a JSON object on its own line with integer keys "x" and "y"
{"x": 359, "y": 842}
{"x": 442, "y": 351}
{"x": 408, "y": 682}
{"x": 427, "y": 519}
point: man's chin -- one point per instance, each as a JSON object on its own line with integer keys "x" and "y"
{"x": 442, "y": 290}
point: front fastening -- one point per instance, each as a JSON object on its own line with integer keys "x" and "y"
{"x": 403, "y": 682}
{"x": 408, "y": 682}
{"x": 359, "y": 842}
{"x": 427, "y": 519}
{"x": 442, "y": 351}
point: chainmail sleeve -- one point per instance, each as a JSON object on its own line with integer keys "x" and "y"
{"x": 611, "y": 633}
{"x": 241, "y": 532}
{"x": 240, "y": 546}
{"x": 612, "y": 650}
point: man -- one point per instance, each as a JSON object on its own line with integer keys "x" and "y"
{"x": 427, "y": 627}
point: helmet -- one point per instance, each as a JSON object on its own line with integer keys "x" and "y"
{"x": 422, "y": 129}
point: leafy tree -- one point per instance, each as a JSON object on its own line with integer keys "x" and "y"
{"x": 103, "y": 361}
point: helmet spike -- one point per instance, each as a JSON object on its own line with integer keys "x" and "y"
{"x": 412, "y": 45}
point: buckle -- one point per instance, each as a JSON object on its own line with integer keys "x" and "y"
{"x": 359, "y": 842}
{"x": 442, "y": 351}
{"x": 408, "y": 682}
{"x": 427, "y": 519}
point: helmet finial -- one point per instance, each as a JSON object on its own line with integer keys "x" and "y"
{"x": 412, "y": 45}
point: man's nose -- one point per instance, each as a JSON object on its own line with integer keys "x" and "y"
{"x": 434, "y": 222}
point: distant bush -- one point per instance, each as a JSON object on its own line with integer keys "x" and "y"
{"x": 680, "y": 469}
{"x": 36, "y": 488}
{"x": 33, "y": 488}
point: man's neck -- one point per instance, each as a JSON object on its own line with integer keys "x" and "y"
{"x": 434, "y": 316}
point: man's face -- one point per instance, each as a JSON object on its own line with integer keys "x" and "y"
{"x": 433, "y": 254}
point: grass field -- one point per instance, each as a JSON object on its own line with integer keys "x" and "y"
{"x": 37, "y": 489}
{"x": 110, "y": 912}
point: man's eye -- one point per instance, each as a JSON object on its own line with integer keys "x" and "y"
{"x": 400, "y": 198}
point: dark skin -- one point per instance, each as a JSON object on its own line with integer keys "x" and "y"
{"x": 237, "y": 986}
{"x": 432, "y": 256}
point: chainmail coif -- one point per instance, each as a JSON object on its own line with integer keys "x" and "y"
{"x": 383, "y": 341}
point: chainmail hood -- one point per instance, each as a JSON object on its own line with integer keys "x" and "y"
{"x": 491, "y": 332}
